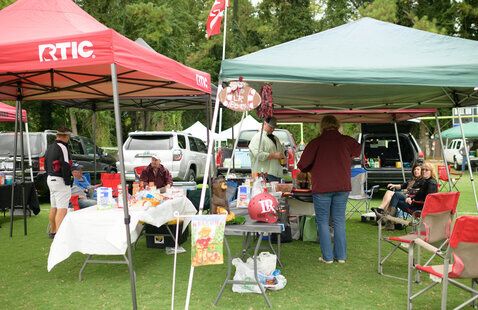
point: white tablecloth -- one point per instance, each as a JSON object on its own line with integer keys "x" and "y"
{"x": 102, "y": 232}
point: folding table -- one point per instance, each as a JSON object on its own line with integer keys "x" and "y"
{"x": 248, "y": 230}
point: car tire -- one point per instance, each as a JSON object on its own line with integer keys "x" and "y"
{"x": 190, "y": 176}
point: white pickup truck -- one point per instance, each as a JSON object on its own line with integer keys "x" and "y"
{"x": 453, "y": 156}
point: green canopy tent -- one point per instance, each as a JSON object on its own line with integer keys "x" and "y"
{"x": 470, "y": 130}
{"x": 364, "y": 64}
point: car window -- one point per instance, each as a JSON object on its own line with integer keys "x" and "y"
{"x": 458, "y": 144}
{"x": 386, "y": 148}
{"x": 90, "y": 147}
{"x": 192, "y": 144}
{"x": 200, "y": 145}
{"x": 75, "y": 146}
{"x": 246, "y": 136}
{"x": 150, "y": 142}
{"x": 182, "y": 142}
{"x": 7, "y": 144}
{"x": 450, "y": 146}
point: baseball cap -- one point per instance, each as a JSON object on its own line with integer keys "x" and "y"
{"x": 271, "y": 121}
{"x": 76, "y": 166}
{"x": 63, "y": 131}
{"x": 155, "y": 157}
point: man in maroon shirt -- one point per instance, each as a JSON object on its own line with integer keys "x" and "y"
{"x": 157, "y": 173}
{"x": 328, "y": 159}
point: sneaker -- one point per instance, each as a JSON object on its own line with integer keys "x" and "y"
{"x": 325, "y": 261}
{"x": 341, "y": 261}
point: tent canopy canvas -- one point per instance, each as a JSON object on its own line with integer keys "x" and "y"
{"x": 248, "y": 123}
{"x": 200, "y": 131}
{"x": 364, "y": 64}
{"x": 7, "y": 113}
{"x": 55, "y": 50}
{"x": 352, "y": 116}
{"x": 470, "y": 130}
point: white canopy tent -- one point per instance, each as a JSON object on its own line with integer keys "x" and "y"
{"x": 249, "y": 123}
{"x": 200, "y": 131}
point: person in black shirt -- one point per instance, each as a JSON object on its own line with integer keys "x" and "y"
{"x": 58, "y": 167}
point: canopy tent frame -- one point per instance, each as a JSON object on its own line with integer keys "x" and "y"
{"x": 18, "y": 118}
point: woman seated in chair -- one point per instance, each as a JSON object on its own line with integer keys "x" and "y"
{"x": 415, "y": 197}
{"x": 404, "y": 188}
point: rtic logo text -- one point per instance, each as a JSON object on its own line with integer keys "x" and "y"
{"x": 201, "y": 80}
{"x": 267, "y": 206}
{"x": 60, "y": 51}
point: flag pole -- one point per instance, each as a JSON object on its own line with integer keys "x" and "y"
{"x": 224, "y": 31}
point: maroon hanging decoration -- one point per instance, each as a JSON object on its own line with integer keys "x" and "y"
{"x": 266, "y": 108}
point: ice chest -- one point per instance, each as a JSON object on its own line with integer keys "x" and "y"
{"x": 159, "y": 237}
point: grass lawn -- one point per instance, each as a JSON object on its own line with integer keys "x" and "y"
{"x": 26, "y": 284}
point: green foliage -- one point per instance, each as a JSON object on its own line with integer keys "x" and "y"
{"x": 385, "y": 10}
{"x": 4, "y": 3}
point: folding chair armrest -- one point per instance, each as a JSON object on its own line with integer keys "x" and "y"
{"x": 427, "y": 246}
{"x": 396, "y": 220}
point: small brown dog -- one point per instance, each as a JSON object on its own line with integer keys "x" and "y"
{"x": 304, "y": 180}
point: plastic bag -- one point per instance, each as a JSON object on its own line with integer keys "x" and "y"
{"x": 244, "y": 272}
{"x": 309, "y": 232}
{"x": 266, "y": 263}
{"x": 281, "y": 282}
{"x": 256, "y": 187}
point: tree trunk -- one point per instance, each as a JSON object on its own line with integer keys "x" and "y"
{"x": 73, "y": 122}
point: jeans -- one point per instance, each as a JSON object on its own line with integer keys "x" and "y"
{"x": 397, "y": 198}
{"x": 331, "y": 205}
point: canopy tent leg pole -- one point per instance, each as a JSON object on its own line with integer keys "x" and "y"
{"x": 127, "y": 218}
{"x": 15, "y": 145}
{"x": 235, "y": 144}
{"x": 29, "y": 151}
{"x": 204, "y": 182}
{"x": 94, "y": 146}
{"x": 400, "y": 151}
{"x": 209, "y": 133}
{"x": 443, "y": 151}
{"x": 22, "y": 162}
{"x": 467, "y": 158}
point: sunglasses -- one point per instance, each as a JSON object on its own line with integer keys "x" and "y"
{"x": 425, "y": 169}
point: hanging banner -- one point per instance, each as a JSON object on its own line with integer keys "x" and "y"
{"x": 207, "y": 238}
{"x": 240, "y": 97}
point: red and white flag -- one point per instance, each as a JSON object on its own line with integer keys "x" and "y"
{"x": 213, "y": 23}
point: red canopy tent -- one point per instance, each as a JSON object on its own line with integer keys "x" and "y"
{"x": 52, "y": 49}
{"x": 7, "y": 113}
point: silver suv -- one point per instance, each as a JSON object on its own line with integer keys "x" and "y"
{"x": 183, "y": 155}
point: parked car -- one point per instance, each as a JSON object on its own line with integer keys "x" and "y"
{"x": 81, "y": 148}
{"x": 380, "y": 155}
{"x": 453, "y": 156}
{"x": 182, "y": 154}
{"x": 242, "y": 161}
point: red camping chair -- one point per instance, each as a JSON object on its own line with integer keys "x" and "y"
{"x": 443, "y": 177}
{"x": 463, "y": 248}
{"x": 111, "y": 180}
{"x": 432, "y": 225}
{"x": 137, "y": 171}
{"x": 74, "y": 202}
